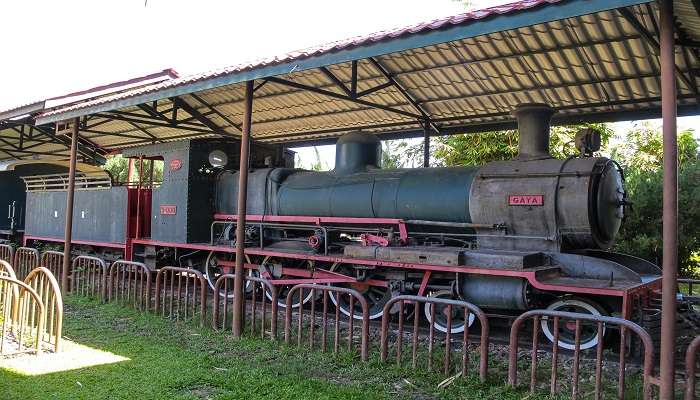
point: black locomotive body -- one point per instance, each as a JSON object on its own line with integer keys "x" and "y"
{"x": 529, "y": 232}
{"x": 507, "y": 236}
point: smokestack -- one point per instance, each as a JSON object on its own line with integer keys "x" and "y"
{"x": 533, "y": 130}
{"x": 357, "y": 152}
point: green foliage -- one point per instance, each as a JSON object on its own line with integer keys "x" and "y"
{"x": 402, "y": 154}
{"x": 316, "y": 165}
{"x": 118, "y": 167}
{"x": 642, "y": 148}
{"x": 478, "y": 149}
{"x": 641, "y": 157}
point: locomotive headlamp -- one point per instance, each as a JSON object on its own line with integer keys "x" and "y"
{"x": 218, "y": 159}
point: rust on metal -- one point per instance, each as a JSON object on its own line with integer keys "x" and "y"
{"x": 690, "y": 367}
{"x": 53, "y": 261}
{"x": 46, "y": 286}
{"x": 600, "y": 322}
{"x": 324, "y": 291}
{"x": 130, "y": 283}
{"x": 468, "y": 310}
{"x": 23, "y": 318}
{"x": 181, "y": 293}
{"x": 89, "y": 277}
{"x": 7, "y": 253}
{"x": 223, "y": 305}
{"x": 26, "y": 259}
{"x": 238, "y": 292}
{"x": 7, "y": 270}
{"x": 669, "y": 104}
{"x": 70, "y": 195}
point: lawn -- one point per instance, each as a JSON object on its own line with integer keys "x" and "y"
{"x": 170, "y": 360}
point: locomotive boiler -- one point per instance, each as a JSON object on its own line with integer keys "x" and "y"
{"x": 518, "y": 231}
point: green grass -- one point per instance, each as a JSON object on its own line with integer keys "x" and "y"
{"x": 170, "y": 360}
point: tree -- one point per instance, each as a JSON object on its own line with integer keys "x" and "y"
{"x": 118, "y": 167}
{"x": 478, "y": 149}
{"x": 641, "y": 155}
{"x": 402, "y": 154}
{"x": 316, "y": 165}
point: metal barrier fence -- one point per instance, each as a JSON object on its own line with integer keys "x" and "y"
{"x": 543, "y": 317}
{"x": 469, "y": 312}
{"x": 7, "y": 270}
{"x": 7, "y": 253}
{"x": 690, "y": 368}
{"x": 53, "y": 261}
{"x": 181, "y": 297}
{"x": 223, "y": 303}
{"x": 23, "y": 318}
{"x": 45, "y": 285}
{"x": 354, "y": 297}
{"x": 25, "y": 260}
{"x": 89, "y": 277}
{"x": 130, "y": 283}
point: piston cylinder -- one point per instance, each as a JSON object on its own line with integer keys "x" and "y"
{"x": 495, "y": 292}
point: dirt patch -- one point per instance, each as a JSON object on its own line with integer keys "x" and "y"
{"x": 203, "y": 392}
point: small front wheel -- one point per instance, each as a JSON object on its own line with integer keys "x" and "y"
{"x": 588, "y": 337}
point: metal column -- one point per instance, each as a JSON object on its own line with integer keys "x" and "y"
{"x": 238, "y": 311}
{"x": 70, "y": 194}
{"x": 670, "y": 199}
{"x": 426, "y": 146}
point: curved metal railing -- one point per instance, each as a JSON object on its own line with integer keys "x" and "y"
{"x": 223, "y": 303}
{"x": 53, "y": 261}
{"x": 180, "y": 292}
{"x": 89, "y": 277}
{"x": 451, "y": 305}
{"x": 353, "y": 297}
{"x": 25, "y": 260}
{"x": 23, "y": 318}
{"x": 7, "y": 253}
{"x": 45, "y": 285}
{"x": 130, "y": 283}
{"x": 577, "y": 318}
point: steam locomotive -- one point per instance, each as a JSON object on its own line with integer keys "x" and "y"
{"x": 508, "y": 236}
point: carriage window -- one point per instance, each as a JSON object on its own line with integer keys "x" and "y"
{"x": 122, "y": 174}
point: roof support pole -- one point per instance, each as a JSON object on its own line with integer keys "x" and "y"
{"x": 670, "y": 200}
{"x": 70, "y": 194}
{"x": 426, "y": 146}
{"x": 238, "y": 311}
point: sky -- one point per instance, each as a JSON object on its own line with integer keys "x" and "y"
{"x": 52, "y": 48}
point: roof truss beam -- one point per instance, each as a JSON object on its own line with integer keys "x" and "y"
{"x": 427, "y": 120}
{"x": 650, "y": 38}
{"x": 92, "y": 151}
{"x": 328, "y": 93}
{"x": 348, "y": 92}
{"x": 185, "y": 106}
{"x": 120, "y": 116}
{"x": 217, "y": 112}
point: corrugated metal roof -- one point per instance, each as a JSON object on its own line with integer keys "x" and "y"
{"x": 19, "y": 139}
{"x": 590, "y": 59}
